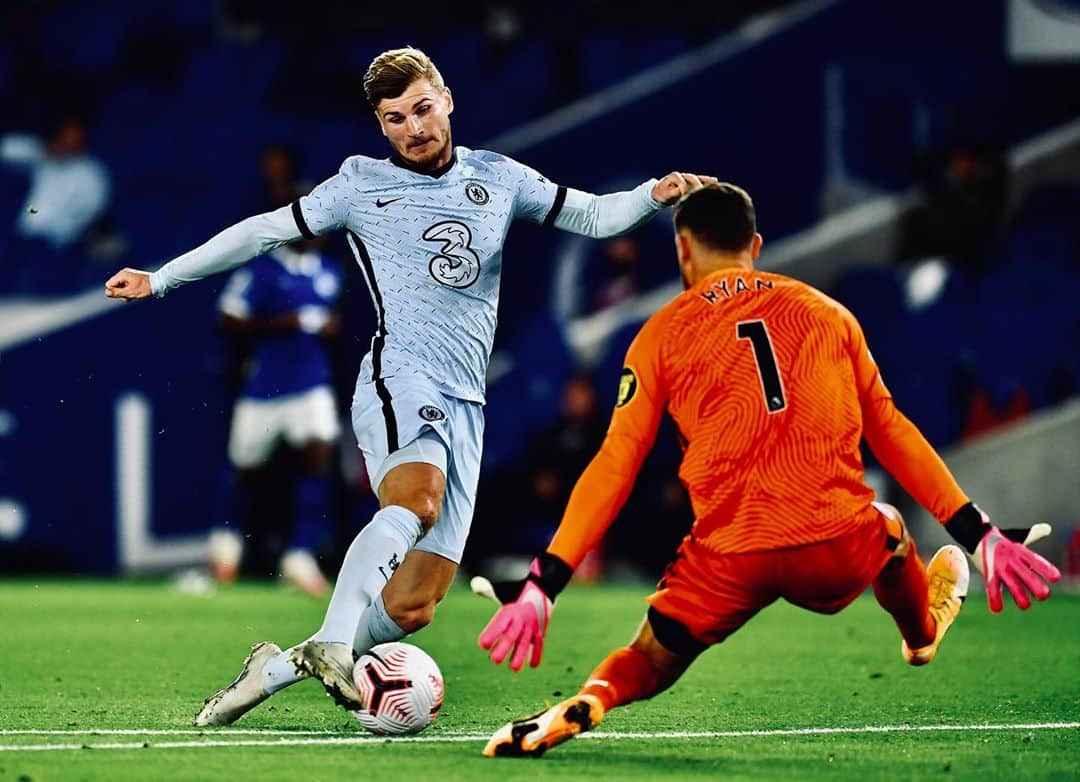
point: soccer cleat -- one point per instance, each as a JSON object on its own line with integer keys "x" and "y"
{"x": 535, "y": 735}
{"x": 332, "y": 664}
{"x": 228, "y": 705}
{"x": 300, "y": 568}
{"x": 948, "y": 577}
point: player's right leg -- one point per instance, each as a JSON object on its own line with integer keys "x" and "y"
{"x": 641, "y": 670}
{"x": 244, "y": 693}
{"x": 370, "y": 562}
{"x": 411, "y": 495}
{"x": 408, "y": 467}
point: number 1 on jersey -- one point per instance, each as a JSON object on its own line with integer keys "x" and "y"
{"x": 754, "y": 330}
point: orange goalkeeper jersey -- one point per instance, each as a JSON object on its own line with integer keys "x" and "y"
{"x": 771, "y": 387}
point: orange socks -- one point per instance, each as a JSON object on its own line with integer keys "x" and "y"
{"x": 902, "y": 589}
{"x": 626, "y": 675}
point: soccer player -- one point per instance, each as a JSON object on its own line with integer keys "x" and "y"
{"x": 283, "y": 306}
{"x": 427, "y": 227}
{"x": 771, "y": 387}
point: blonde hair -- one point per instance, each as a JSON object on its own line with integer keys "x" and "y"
{"x": 391, "y": 73}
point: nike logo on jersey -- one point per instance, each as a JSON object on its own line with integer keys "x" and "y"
{"x": 380, "y": 203}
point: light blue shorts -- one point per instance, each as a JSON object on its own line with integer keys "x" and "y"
{"x": 406, "y": 419}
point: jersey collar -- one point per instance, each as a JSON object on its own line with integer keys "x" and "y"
{"x": 401, "y": 162}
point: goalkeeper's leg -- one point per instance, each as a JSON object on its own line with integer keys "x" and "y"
{"x": 642, "y": 669}
{"x": 923, "y": 601}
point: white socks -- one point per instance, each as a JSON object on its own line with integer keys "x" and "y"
{"x": 376, "y": 627}
{"x": 376, "y": 552}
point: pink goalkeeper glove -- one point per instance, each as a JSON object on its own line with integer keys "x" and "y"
{"x": 519, "y": 625}
{"x": 1010, "y": 563}
{"x": 1003, "y": 557}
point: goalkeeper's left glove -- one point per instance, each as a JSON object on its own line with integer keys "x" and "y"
{"x": 1003, "y": 557}
{"x": 526, "y": 605}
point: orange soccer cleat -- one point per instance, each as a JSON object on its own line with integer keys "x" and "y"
{"x": 948, "y": 577}
{"x": 535, "y": 735}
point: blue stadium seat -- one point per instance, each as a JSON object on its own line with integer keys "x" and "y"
{"x": 529, "y": 395}
{"x": 875, "y": 295}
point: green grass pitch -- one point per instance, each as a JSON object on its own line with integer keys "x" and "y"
{"x": 83, "y": 656}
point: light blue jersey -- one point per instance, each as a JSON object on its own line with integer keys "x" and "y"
{"x": 430, "y": 246}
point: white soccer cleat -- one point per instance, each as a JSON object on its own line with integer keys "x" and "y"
{"x": 948, "y": 575}
{"x": 332, "y": 664}
{"x": 228, "y": 705}
{"x": 300, "y": 568}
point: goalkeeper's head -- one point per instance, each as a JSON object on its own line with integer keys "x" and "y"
{"x": 715, "y": 227}
{"x": 413, "y": 106}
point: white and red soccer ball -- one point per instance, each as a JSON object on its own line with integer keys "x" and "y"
{"x": 401, "y": 688}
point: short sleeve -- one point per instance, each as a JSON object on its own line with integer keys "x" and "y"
{"x": 537, "y": 199}
{"x": 326, "y": 208}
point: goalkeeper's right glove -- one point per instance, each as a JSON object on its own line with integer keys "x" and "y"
{"x": 1003, "y": 557}
{"x": 526, "y": 606}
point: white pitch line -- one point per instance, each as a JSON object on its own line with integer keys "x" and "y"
{"x": 460, "y": 738}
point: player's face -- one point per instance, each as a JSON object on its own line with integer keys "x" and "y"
{"x": 417, "y": 124}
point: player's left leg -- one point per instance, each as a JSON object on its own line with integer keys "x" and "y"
{"x": 407, "y": 601}
{"x": 924, "y": 602}
{"x": 641, "y": 670}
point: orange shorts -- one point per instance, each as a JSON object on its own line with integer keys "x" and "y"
{"x": 710, "y": 596}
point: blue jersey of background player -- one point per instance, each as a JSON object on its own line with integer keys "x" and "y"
{"x": 300, "y": 292}
{"x": 432, "y": 261}
{"x": 282, "y": 307}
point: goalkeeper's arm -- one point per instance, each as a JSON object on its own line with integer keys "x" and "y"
{"x": 597, "y": 498}
{"x": 1001, "y": 556}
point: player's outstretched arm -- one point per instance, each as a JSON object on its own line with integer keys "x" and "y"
{"x": 1002, "y": 556}
{"x": 602, "y": 216}
{"x": 235, "y": 245}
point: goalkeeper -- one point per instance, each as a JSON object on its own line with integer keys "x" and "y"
{"x": 771, "y": 387}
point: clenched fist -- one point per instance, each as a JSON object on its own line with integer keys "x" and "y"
{"x": 129, "y": 285}
{"x": 676, "y": 185}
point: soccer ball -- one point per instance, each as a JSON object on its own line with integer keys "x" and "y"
{"x": 401, "y": 688}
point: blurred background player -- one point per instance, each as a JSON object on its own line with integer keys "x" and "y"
{"x": 282, "y": 308}
{"x": 771, "y": 387}
{"x": 427, "y": 226}
{"x": 69, "y": 192}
